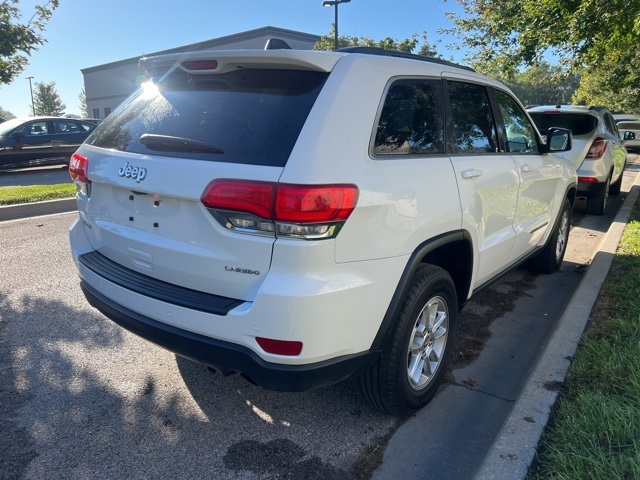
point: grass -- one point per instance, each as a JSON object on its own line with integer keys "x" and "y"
{"x": 35, "y": 193}
{"x": 594, "y": 432}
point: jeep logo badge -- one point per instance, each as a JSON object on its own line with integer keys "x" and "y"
{"x": 137, "y": 173}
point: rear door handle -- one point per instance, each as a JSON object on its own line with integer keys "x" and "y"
{"x": 526, "y": 168}
{"x": 468, "y": 174}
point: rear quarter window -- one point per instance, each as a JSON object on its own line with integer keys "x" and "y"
{"x": 250, "y": 116}
{"x": 411, "y": 121}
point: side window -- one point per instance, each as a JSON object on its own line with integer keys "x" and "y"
{"x": 521, "y": 136}
{"x": 66, "y": 126}
{"x": 474, "y": 129}
{"x": 611, "y": 124}
{"x": 411, "y": 122}
{"x": 36, "y": 128}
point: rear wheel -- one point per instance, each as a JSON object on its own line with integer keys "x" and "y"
{"x": 413, "y": 362}
{"x": 597, "y": 203}
{"x": 550, "y": 257}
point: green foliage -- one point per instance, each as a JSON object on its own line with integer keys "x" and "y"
{"x": 599, "y": 39}
{"x": 46, "y": 100}
{"x": 541, "y": 84}
{"x": 19, "y": 39}
{"x": 408, "y": 45}
{"x": 83, "y": 103}
{"x": 6, "y": 114}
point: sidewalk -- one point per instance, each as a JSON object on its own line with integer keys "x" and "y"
{"x": 25, "y": 210}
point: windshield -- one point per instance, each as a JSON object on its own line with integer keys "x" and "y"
{"x": 8, "y": 126}
{"x": 578, "y": 123}
{"x": 245, "y": 116}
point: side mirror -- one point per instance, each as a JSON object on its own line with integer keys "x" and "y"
{"x": 18, "y": 135}
{"x": 629, "y": 136}
{"x": 559, "y": 139}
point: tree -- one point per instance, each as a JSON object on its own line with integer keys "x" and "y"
{"x": 46, "y": 100}
{"x": 407, "y": 45}
{"x": 83, "y": 103}
{"x": 6, "y": 114}
{"x": 542, "y": 84}
{"x": 18, "y": 39}
{"x": 588, "y": 36}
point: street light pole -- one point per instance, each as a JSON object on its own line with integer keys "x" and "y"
{"x": 335, "y": 3}
{"x": 33, "y": 108}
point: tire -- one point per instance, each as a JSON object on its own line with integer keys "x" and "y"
{"x": 401, "y": 381}
{"x": 597, "y": 204}
{"x": 549, "y": 259}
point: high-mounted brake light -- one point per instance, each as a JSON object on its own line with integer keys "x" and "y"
{"x": 78, "y": 169}
{"x": 598, "y": 147}
{"x": 299, "y": 211}
{"x": 200, "y": 65}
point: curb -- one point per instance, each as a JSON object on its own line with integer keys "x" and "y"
{"x": 26, "y": 210}
{"x": 515, "y": 446}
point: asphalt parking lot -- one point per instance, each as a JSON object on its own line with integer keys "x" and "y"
{"x": 83, "y": 398}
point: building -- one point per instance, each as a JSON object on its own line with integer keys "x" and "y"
{"x": 107, "y": 86}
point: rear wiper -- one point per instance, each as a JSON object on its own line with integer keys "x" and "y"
{"x": 166, "y": 143}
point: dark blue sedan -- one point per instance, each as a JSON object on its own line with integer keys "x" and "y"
{"x": 33, "y": 141}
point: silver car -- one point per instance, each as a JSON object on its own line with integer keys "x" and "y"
{"x": 630, "y": 134}
{"x": 598, "y": 153}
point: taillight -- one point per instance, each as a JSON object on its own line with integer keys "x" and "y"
{"x": 78, "y": 169}
{"x": 597, "y": 148}
{"x": 299, "y": 211}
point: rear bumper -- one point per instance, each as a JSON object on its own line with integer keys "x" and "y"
{"x": 590, "y": 189}
{"x": 228, "y": 357}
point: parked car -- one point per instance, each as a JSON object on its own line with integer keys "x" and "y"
{"x": 630, "y": 134}
{"x": 625, "y": 117}
{"x": 32, "y": 141}
{"x": 597, "y": 153}
{"x": 304, "y": 217}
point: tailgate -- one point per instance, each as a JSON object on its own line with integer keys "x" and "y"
{"x": 159, "y": 227}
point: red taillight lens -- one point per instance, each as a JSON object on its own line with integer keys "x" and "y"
{"x": 240, "y": 196}
{"x": 315, "y": 204}
{"x": 78, "y": 168}
{"x": 588, "y": 179}
{"x": 280, "y": 347}
{"x": 597, "y": 148}
{"x": 309, "y": 212}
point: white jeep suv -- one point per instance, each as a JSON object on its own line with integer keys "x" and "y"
{"x": 305, "y": 217}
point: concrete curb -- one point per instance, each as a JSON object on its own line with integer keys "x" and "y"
{"x": 25, "y": 210}
{"x": 514, "y": 448}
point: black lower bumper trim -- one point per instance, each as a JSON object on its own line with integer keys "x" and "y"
{"x": 226, "y": 356}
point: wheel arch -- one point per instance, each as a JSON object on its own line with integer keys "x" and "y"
{"x": 451, "y": 251}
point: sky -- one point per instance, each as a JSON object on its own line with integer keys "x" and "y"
{"x": 86, "y": 33}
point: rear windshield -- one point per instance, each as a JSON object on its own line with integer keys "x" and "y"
{"x": 578, "y": 123}
{"x": 245, "y": 116}
{"x": 629, "y": 126}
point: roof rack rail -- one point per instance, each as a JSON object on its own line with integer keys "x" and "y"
{"x": 395, "y": 53}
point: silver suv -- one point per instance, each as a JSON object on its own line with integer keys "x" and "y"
{"x": 304, "y": 217}
{"x": 597, "y": 153}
